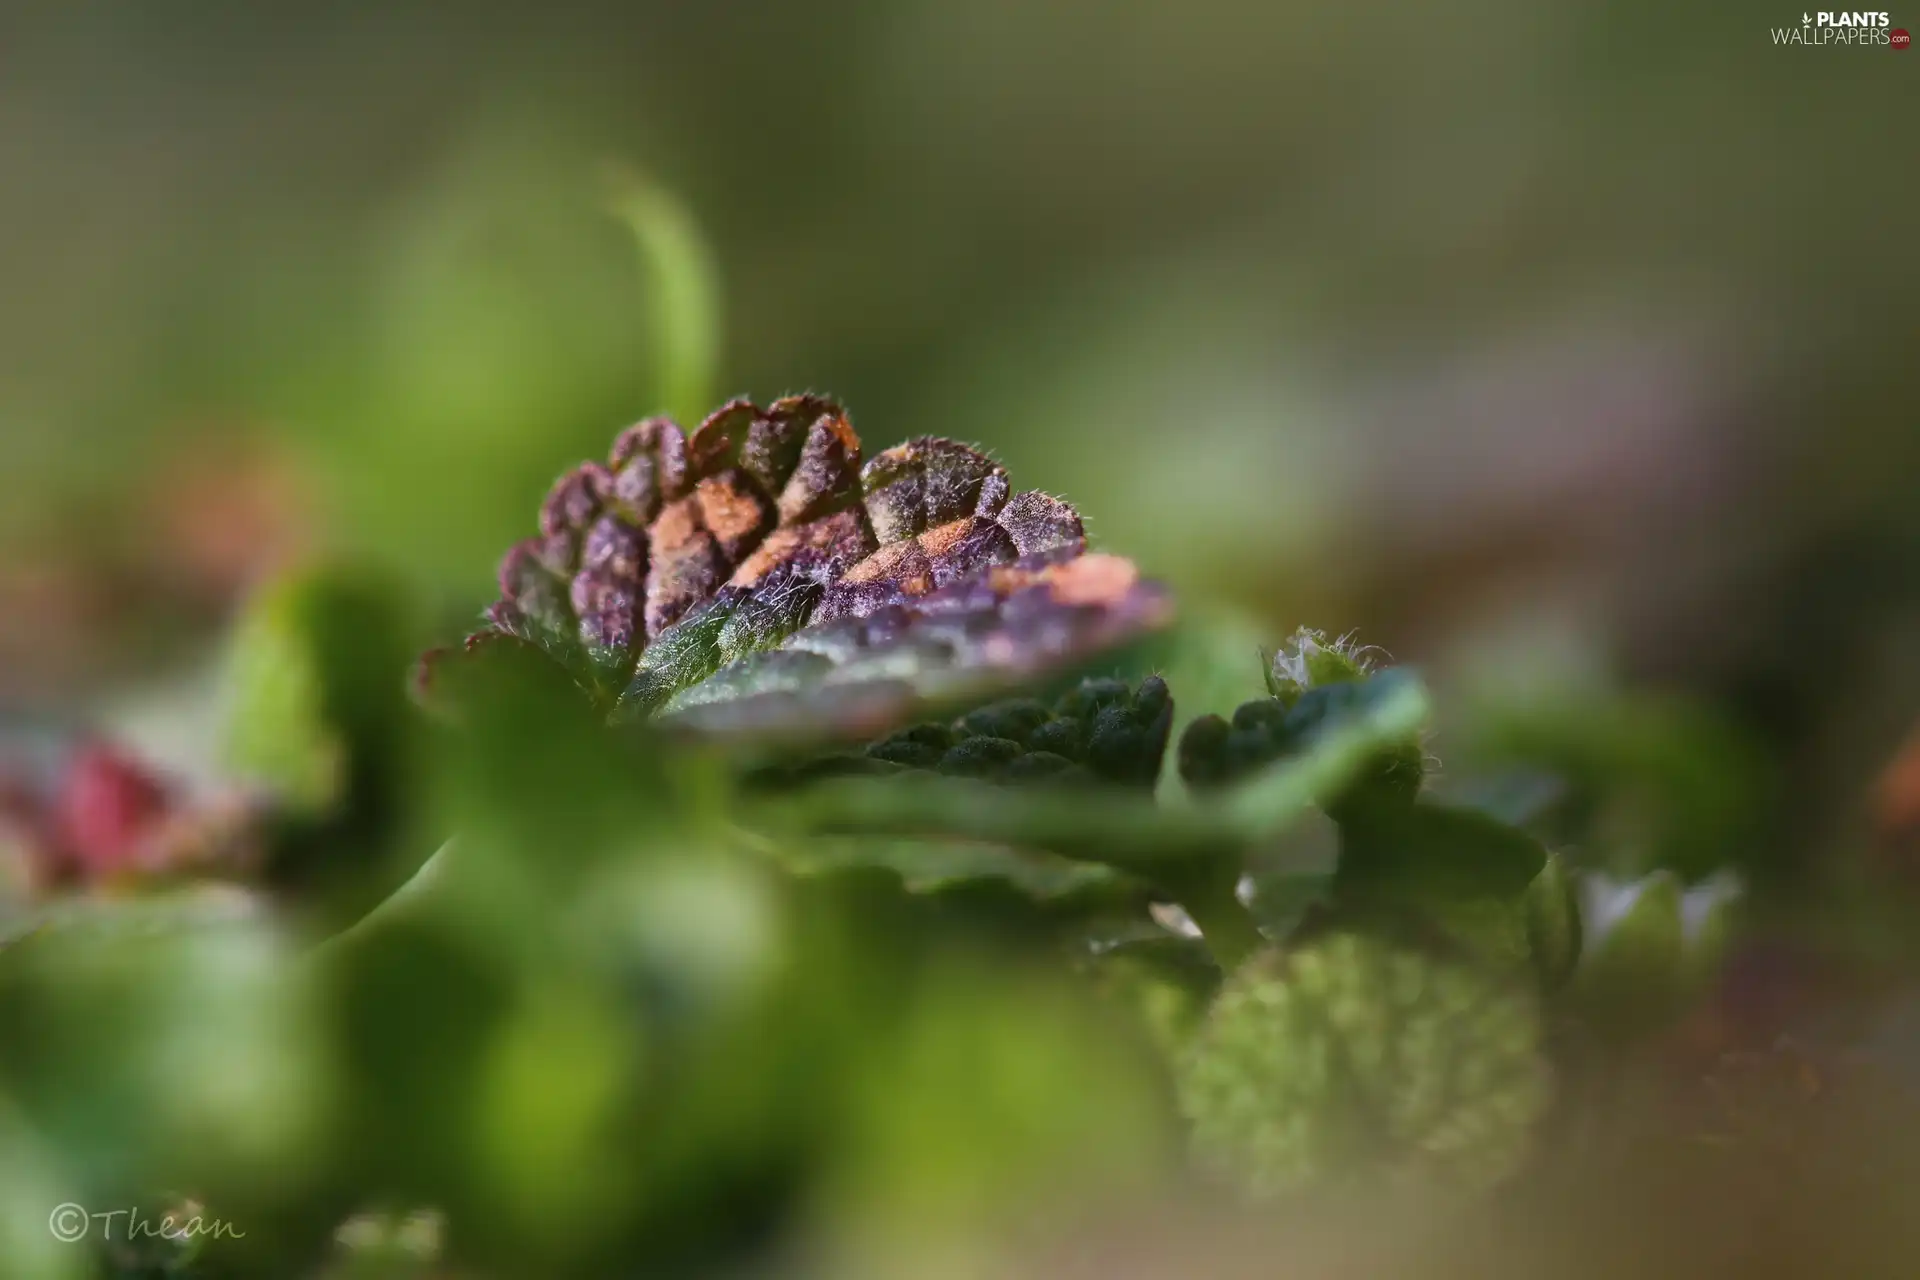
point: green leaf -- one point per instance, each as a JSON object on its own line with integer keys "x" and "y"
{"x": 315, "y": 686}
{"x": 996, "y": 1092}
{"x": 1651, "y": 946}
{"x": 1426, "y": 850}
{"x": 1123, "y": 829}
{"x": 1350, "y": 1061}
{"x": 1650, "y": 781}
{"x": 930, "y": 865}
{"x": 1629, "y": 977}
{"x": 163, "y": 1041}
{"x": 498, "y": 322}
{"x": 31, "y": 1189}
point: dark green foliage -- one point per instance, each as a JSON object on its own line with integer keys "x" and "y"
{"x": 1215, "y": 752}
{"x": 1103, "y": 730}
{"x": 979, "y": 757}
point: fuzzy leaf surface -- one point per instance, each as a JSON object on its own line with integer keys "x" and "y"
{"x": 757, "y": 574}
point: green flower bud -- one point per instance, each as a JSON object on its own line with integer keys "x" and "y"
{"x": 1354, "y": 1060}
{"x": 1650, "y": 945}
{"x": 1309, "y": 660}
{"x": 1204, "y": 755}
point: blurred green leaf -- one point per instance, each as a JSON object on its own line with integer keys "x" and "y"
{"x": 1426, "y": 851}
{"x": 683, "y": 283}
{"x": 318, "y": 718}
{"x": 165, "y": 1043}
{"x": 1652, "y": 782}
{"x": 33, "y": 1205}
{"x": 996, "y": 1094}
{"x": 316, "y": 687}
{"x": 929, "y": 866}
{"x": 496, "y": 333}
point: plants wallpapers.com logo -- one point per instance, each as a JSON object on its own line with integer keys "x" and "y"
{"x": 1846, "y": 30}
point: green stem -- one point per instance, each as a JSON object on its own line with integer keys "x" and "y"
{"x": 1225, "y": 923}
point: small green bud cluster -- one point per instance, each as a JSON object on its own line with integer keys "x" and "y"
{"x": 1102, "y": 731}
{"x": 1312, "y": 684}
{"x": 1351, "y": 1059}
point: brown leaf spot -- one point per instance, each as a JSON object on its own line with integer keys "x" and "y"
{"x": 687, "y": 565}
{"x": 733, "y": 511}
{"x": 902, "y": 564}
{"x": 843, "y": 536}
{"x": 1092, "y": 580}
{"x": 959, "y": 549}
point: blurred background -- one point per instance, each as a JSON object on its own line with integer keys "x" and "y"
{"x": 1331, "y": 311}
{"x": 1539, "y": 344}
{"x": 1561, "y": 350}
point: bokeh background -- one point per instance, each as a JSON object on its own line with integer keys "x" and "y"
{"x": 1561, "y": 350}
{"x": 1582, "y": 323}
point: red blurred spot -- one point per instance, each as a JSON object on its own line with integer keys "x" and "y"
{"x": 1899, "y": 38}
{"x": 108, "y": 804}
